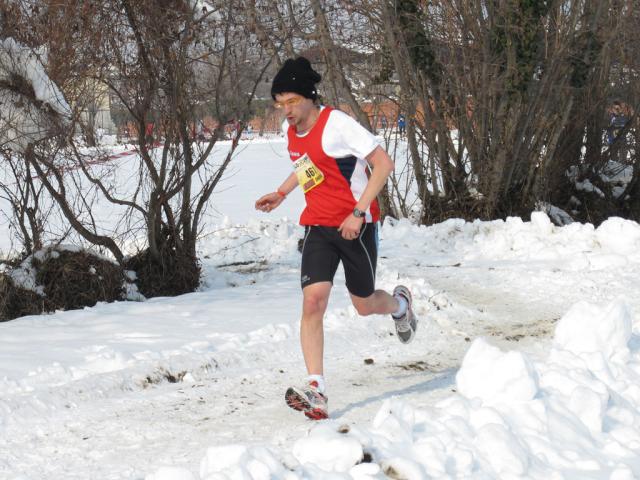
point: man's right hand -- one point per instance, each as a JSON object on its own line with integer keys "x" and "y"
{"x": 268, "y": 202}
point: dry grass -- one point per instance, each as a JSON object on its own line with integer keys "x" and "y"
{"x": 18, "y": 302}
{"x": 169, "y": 276}
{"x": 70, "y": 280}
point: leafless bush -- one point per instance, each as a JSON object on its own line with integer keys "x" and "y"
{"x": 27, "y": 212}
{"x": 77, "y": 279}
{"x": 501, "y": 98}
{"x": 165, "y": 66}
{"x": 57, "y": 278}
{"x": 17, "y": 302}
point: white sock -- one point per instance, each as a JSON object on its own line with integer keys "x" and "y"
{"x": 402, "y": 306}
{"x": 319, "y": 379}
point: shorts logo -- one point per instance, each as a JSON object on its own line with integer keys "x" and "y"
{"x": 305, "y": 278}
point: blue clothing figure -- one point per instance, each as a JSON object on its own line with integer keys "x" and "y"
{"x": 617, "y": 122}
{"x": 401, "y": 124}
{"x": 616, "y": 138}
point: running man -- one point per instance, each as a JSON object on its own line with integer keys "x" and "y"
{"x": 332, "y": 155}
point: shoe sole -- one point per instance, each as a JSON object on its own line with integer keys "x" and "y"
{"x": 410, "y": 339}
{"x": 299, "y": 403}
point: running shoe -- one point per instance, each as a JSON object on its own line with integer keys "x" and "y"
{"x": 308, "y": 400}
{"x": 407, "y": 324}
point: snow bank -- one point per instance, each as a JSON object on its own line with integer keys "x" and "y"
{"x": 328, "y": 450}
{"x": 571, "y": 247}
{"x": 589, "y": 329}
{"x": 568, "y": 413}
{"x": 238, "y": 461}
{"x": 21, "y": 122}
{"x": 573, "y": 414}
{"x": 619, "y": 235}
{"x": 579, "y": 420}
{"x": 495, "y": 376}
{"x": 19, "y": 59}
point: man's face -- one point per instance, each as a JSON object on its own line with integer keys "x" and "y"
{"x": 617, "y": 109}
{"x": 295, "y": 108}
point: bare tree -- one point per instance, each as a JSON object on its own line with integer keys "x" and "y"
{"x": 168, "y": 64}
{"x": 501, "y": 98}
{"x": 23, "y": 194}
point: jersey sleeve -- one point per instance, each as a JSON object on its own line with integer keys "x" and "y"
{"x": 344, "y": 136}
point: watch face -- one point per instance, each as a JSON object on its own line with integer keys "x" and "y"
{"x": 358, "y": 213}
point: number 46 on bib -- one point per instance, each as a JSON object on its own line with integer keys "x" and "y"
{"x": 309, "y": 175}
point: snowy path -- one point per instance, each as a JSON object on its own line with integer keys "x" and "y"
{"x": 90, "y": 394}
{"x": 120, "y": 433}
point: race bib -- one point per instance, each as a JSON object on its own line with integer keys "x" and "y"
{"x": 309, "y": 176}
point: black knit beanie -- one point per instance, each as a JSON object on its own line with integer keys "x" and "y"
{"x": 296, "y": 76}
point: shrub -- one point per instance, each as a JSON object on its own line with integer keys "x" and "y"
{"x": 59, "y": 278}
{"x": 173, "y": 274}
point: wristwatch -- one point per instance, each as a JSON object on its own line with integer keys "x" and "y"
{"x": 358, "y": 213}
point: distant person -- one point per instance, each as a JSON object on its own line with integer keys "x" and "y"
{"x": 332, "y": 155}
{"x": 617, "y": 122}
{"x": 148, "y": 134}
{"x": 401, "y": 125}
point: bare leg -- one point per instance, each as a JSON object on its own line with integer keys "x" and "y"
{"x": 379, "y": 302}
{"x": 314, "y": 304}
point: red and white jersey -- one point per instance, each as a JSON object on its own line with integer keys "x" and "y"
{"x": 337, "y": 145}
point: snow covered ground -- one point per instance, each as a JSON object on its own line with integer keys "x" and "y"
{"x": 526, "y": 363}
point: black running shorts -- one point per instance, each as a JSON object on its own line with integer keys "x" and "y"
{"x": 324, "y": 248}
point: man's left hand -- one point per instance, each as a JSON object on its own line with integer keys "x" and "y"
{"x": 350, "y": 227}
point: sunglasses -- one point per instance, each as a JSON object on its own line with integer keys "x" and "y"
{"x": 292, "y": 102}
